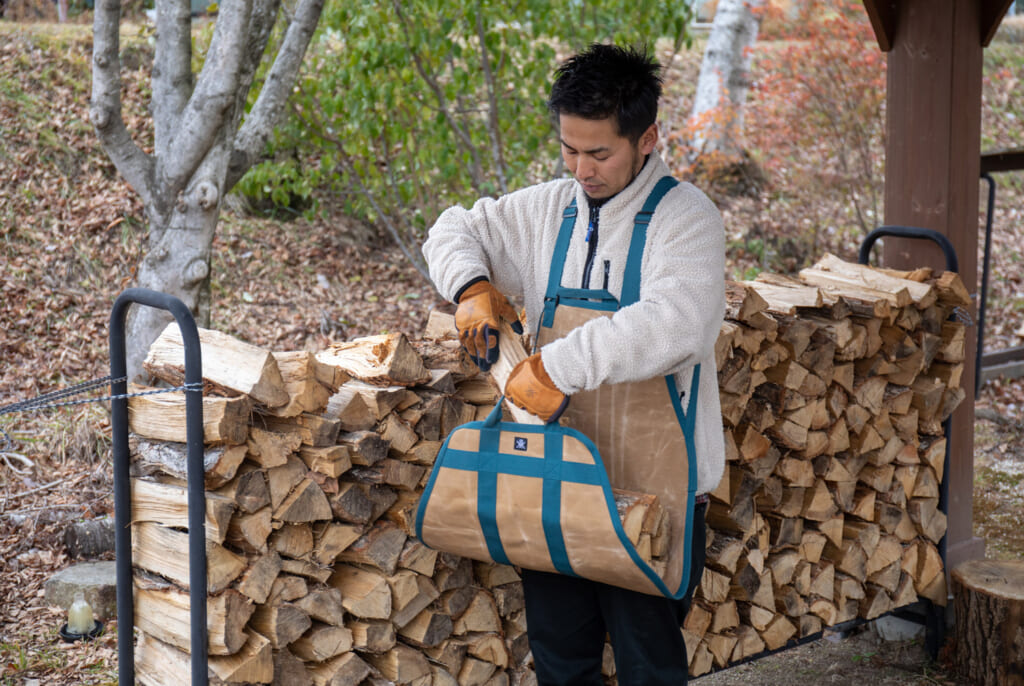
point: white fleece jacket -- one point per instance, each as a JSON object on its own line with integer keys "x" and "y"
{"x": 671, "y": 328}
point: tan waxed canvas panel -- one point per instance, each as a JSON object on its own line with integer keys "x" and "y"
{"x": 574, "y": 451}
{"x": 637, "y": 434}
{"x": 453, "y": 500}
{"x": 518, "y": 514}
{"x": 465, "y": 439}
{"x": 591, "y": 542}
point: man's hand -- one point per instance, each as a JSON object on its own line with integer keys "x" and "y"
{"x": 530, "y": 388}
{"x": 478, "y": 319}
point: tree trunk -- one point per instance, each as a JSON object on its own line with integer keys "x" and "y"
{"x": 717, "y": 119}
{"x": 203, "y": 144}
{"x": 177, "y": 263}
{"x": 989, "y": 597}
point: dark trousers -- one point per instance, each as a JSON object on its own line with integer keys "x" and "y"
{"x": 567, "y": 619}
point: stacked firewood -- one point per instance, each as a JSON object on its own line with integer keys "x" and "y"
{"x": 313, "y": 467}
{"x": 834, "y": 387}
{"x": 833, "y": 393}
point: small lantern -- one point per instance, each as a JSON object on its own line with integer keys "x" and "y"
{"x": 80, "y": 625}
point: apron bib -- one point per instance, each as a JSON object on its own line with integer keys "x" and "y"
{"x": 643, "y": 433}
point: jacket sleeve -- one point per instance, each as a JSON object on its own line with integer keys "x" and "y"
{"x": 676, "y": 321}
{"x": 489, "y": 239}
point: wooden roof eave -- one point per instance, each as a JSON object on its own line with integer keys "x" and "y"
{"x": 884, "y": 16}
{"x": 992, "y": 13}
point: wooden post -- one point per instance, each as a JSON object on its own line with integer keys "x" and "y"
{"x": 933, "y": 159}
{"x": 989, "y": 603}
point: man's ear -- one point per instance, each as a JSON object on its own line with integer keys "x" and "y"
{"x": 648, "y": 139}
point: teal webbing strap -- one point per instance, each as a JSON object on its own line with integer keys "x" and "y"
{"x": 558, "y": 263}
{"x": 487, "y": 494}
{"x": 631, "y": 279}
{"x": 551, "y": 509}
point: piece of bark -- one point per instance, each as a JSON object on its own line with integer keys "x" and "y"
{"x": 306, "y": 569}
{"x": 220, "y": 462}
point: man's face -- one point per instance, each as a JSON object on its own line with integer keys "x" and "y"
{"x": 601, "y": 160}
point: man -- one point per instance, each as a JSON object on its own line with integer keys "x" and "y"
{"x": 627, "y": 305}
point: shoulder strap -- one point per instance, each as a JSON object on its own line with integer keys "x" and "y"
{"x": 631, "y": 279}
{"x": 558, "y": 263}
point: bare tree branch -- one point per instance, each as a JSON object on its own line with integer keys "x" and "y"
{"x": 212, "y": 98}
{"x": 346, "y": 164}
{"x": 261, "y": 24}
{"x": 476, "y": 171}
{"x": 493, "y": 127}
{"x": 135, "y": 166}
{"x": 269, "y": 107}
{"x": 172, "y": 82}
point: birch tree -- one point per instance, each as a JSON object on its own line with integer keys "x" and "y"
{"x": 204, "y": 140}
{"x": 717, "y": 119}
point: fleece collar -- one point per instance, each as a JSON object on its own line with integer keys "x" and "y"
{"x": 627, "y": 202}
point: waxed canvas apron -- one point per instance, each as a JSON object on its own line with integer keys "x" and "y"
{"x": 540, "y": 496}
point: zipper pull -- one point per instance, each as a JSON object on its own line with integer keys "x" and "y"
{"x": 607, "y": 269}
{"x": 592, "y": 225}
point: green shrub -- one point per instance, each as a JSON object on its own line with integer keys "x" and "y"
{"x": 405, "y": 108}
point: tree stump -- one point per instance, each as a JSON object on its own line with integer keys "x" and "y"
{"x": 989, "y": 602}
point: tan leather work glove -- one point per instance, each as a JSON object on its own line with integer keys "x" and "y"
{"x": 530, "y": 388}
{"x": 478, "y": 319}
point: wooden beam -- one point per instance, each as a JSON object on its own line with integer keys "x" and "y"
{"x": 1002, "y": 160}
{"x": 992, "y": 13}
{"x": 883, "y": 14}
{"x": 933, "y": 153}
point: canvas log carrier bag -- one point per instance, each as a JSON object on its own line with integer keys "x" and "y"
{"x": 540, "y": 496}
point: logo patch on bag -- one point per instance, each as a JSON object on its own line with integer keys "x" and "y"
{"x": 519, "y": 443}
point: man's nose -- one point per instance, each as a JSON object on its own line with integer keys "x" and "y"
{"x": 585, "y": 168}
